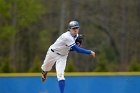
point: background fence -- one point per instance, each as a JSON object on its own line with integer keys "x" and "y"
{"x": 75, "y": 83}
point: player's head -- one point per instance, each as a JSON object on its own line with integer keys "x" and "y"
{"x": 73, "y": 27}
{"x": 73, "y": 24}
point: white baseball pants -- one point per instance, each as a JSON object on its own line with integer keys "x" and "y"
{"x": 52, "y": 58}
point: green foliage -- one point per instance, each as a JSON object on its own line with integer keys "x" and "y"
{"x": 44, "y": 39}
{"x": 102, "y": 63}
{"x": 70, "y": 67}
{"x": 24, "y": 12}
{"x": 29, "y": 27}
{"x": 4, "y": 7}
{"x": 7, "y": 32}
{"x": 16, "y": 16}
{"x": 110, "y": 54}
{"x": 5, "y": 66}
{"x": 134, "y": 64}
{"x": 28, "y": 11}
{"x": 36, "y": 66}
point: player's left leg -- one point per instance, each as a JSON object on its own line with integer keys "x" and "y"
{"x": 48, "y": 63}
{"x": 60, "y": 67}
{"x": 44, "y": 75}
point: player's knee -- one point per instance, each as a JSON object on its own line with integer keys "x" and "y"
{"x": 45, "y": 68}
{"x": 60, "y": 76}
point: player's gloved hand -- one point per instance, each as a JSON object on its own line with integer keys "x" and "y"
{"x": 79, "y": 40}
{"x": 92, "y": 53}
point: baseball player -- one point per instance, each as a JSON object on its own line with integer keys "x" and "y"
{"x": 58, "y": 52}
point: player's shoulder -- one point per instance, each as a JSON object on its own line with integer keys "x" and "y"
{"x": 66, "y": 35}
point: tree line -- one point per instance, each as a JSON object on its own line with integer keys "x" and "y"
{"x": 110, "y": 28}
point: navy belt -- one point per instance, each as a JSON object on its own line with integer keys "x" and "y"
{"x": 55, "y": 52}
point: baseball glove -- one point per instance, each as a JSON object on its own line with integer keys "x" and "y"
{"x": 79, "y": 40}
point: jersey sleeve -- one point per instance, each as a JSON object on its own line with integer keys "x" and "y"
{"x": 81, "y": 50}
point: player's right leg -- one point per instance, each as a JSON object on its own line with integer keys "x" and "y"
{"x": 60, "y": 67}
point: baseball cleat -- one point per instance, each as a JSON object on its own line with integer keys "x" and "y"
{"x": 43, "y": 76}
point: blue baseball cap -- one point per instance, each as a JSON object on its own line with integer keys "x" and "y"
{"x": 73, "y": 24}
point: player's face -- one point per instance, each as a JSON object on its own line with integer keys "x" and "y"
{"x": 74, "y": 31}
